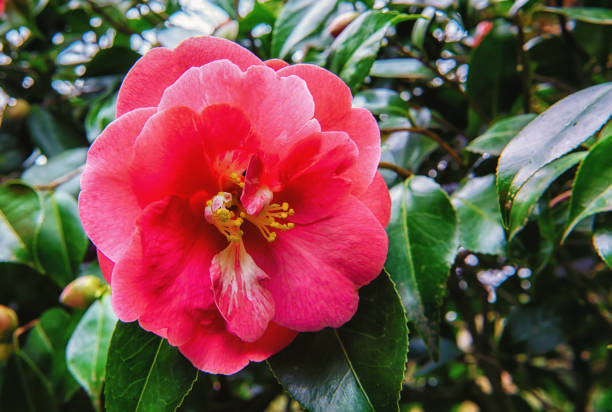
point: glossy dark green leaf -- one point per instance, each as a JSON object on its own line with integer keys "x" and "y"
{"x": 592, "y": 189}
{"x": 46, "y": 348}
{"x": 381, "y": 101}
{"x": 227, "y": 6}
{"x": 493, "y": 81}
{"x": 297, "y": 20}
{"x": 51, "y": 133}
{"x": 26, "y": 290}
{"x": 358, "y": 367}
{"x": 534, "y": 188}
{"x": 496, "y": 137}
{"x": 20, "y": 218}
{"x": 87, "y": 349}
{"x": 411, "y": 69}
{"x": 602, "y": 240}
{"x": 61, "y": 242}
{"x": 479, "y": 218}
{"x": 421, "y": 27}
{"x": 68, "y": 163}
{"x": 552, "y": 134}
{"x": 595, "y": 15}
{"x": 354, "y": 50}
{"x": 25, "y": 388}
{"x": 147, "y": 374}
{"x": 423, "y": 240}
{"x": 533, "y": 330}
{"x": 100, "y": 114}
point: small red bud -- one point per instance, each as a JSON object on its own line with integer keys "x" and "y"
{"x": 8, "y": 322}
{"x": 81, "y": 292}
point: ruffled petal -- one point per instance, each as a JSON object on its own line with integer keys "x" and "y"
{"x": 214, "y": 350}
{"x": 108, "y": 206}
{"x": 316, "y": 269}
{"x": 333, "y": 110}
{"x": 146, "y": 81}
{"x": 106, "y": 265}
{"x": 169, "y": 157}
{"x": 277, "y": 107}
{"x": 163, "y": 280}
{"x": 244, "y": 303}
{"x": 377, "y": 199}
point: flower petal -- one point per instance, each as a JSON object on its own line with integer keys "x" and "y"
{"x": 244, "y": 303}
{"x": 169, "y": 157}
{"x": 276, "y": 64}
{"x": 146, "y": 81}
{"x": 333, "y": 102}
{"x": 277, "y": 107}
{"x": 106, "y": 265}
{"x": 316, "y": 269}
{"x": 214, "y": 350}
{"x": 107, "y": 204}
{"x": 377, "y": 199}
{"x": 162, "y": 280}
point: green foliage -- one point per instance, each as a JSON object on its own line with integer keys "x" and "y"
{"x": 496, "y": 146}
{"x": 357, "y": 367}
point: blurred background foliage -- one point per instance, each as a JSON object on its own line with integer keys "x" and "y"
{"x": 522, "y": 323}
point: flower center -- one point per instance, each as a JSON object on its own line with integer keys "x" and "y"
{"x": 228, "y": 215}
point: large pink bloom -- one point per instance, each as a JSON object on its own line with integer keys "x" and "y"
{"x": 235, "y": 202}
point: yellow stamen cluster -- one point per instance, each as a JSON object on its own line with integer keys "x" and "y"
{"x": 237, "y": 179}
{"x": 224, "y": 219}
{"x": 267, "y": 219}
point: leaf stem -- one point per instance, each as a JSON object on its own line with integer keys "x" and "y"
{"x": 432, "y": 136}
{"x": 60, "y": 180}
{"x": 523, "y": 64}
{"x": 405, "y": 173}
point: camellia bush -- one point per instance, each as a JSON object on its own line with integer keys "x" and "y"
{"x": 291, "y": 205}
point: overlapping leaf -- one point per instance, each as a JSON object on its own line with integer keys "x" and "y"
{"x": 423, "y": 240}
{"x": 358, "y": 367}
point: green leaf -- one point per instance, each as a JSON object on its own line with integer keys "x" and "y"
{"x": 423, "y": 240}
{"x": 496, "y": 137}
{"x": 592, "y": 189}
{"x": 354, "y": 50}
{"x": 421, "y": 28}
{"x": 50, "y": 133}
{"x": 593, "y": 15}
{"x": 532, "y": 190}
{"x": 493, "y": 81}
{"x": 20, "y": 219}
{"x": 147, "y": 373}
{"x": 100, "y": 114}
{"x": 533, "y": 330}
{"x": 69, "y": 162}
{"x": 87, "y": 349}
{"x": 411, "y": 69}
{"x": 26, "y": 290}
{"x": 552, "y": 134}
{"x": 227, "y": 6}
{"x": 358, "y": 367}
{"x": 479, "y": 218}
{"x": 297, "y": 20}
{"x": 381, "y": 101}
{"x": 46, "y": 348}
{"x": 602, "y": 240}
{"x": 61, "y": 242}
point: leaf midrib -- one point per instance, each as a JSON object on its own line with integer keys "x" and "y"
{"x": 146, "y": 382}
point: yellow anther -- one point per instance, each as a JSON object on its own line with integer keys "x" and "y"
{"x": 267, "y": 220}
{"x": 237, "y": 179}
{"x": 224, "y": 219}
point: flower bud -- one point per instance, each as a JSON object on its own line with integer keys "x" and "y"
{"x": 340, "y": 22}
{"x": 8, "y": 322}
{"x": 81, "y": 292}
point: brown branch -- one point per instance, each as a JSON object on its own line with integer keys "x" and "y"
{"x": 523, "y": 64}
{"x": 61, "y": 180}
{"x": 405, "y": 173}
{"x": 433, "y": 136}
{"x": 560, "y": 198}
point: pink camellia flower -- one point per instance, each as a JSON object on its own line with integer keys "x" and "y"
{"x": 235, "y": 202}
